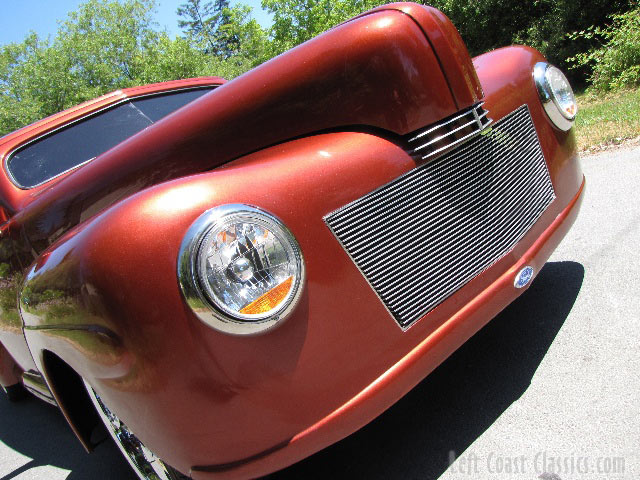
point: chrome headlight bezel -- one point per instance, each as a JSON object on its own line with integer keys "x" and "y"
{"x": 549, "y": 98}
{"x": 199, "y": 295}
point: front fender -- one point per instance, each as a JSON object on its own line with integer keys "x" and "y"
{"x": 106, "y": 300}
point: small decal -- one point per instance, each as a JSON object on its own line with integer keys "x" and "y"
{"x": 523, "y": 277}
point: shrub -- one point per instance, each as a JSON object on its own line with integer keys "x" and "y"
{"x": 616, "y": 63}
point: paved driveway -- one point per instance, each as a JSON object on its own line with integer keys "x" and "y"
{"x": 549, "y": 389}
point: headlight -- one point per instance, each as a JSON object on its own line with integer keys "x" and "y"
{"x": 556, "y": 95}
{"x": 240, "y": 269}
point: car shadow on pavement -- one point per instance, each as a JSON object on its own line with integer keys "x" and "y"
{"x": 445, "y": 412}
{"x": 462, "y": 398}
{"x": 38, "y": 431}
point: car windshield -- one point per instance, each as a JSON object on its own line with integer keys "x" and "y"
{"x": 76, "y": 144}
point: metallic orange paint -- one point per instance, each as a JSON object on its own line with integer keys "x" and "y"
{"x": 448, "y": 46}
{"x": 299, "y": 137}
{"x": 367, "y": 83}
{"x": 15, "y": 250}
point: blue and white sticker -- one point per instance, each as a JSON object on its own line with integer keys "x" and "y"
{"x": 523, "y": 277}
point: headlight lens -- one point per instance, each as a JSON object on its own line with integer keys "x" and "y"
{"x": 556, "y": 95}
{"x": 244, "y": 265}
{"x": 562, "y": 93}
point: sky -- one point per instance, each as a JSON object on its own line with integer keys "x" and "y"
{"x": 21, "y": 16}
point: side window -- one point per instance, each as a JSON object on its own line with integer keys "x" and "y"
{"x": 75, "y": 144}
{"x": 158, "y": 106}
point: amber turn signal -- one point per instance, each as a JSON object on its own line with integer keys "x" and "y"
{"x": 269, "y": 300}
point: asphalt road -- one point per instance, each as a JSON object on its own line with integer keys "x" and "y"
{"x": 550, "y": 389}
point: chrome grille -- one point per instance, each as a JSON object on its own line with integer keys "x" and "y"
{"x": 446, "y": 134}
{"x": 426, "y": 234}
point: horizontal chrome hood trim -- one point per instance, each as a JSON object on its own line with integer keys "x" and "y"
{"x": 448, "y": 133}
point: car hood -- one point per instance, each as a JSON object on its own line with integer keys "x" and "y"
{"x": 388, "y": 72}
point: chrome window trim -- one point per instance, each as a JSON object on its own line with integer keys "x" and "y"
{"x": 189, "y": 281}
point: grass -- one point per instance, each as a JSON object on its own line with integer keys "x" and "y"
{"x": 605, "y": 120}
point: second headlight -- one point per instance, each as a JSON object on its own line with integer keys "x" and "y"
{"x": 241, "y": 269}
{"x": 556, "y": 95}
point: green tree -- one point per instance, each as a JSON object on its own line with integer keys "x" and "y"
{"x": 552, "y": 20}
{"x": 200, "y": 21}
{"x": 106, "y": 42}
{"x": 241, "y": 38}
{"x": 35, "y": 81}
{"x": 542, "y": 24}
{"x": 295, "y": 21}
{"x": 615, "y": 63}
{"x": 103, "y": 46}
{"x": 229, "y": 33}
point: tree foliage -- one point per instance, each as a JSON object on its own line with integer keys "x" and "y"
{"x": 33, "y": 82}
{"x": 542, "y": 24}
{"x": 226, "y": 32}
{"x": 105, "y": 43}
{"x": 201, "y": 20}
{"x": 103, "y": 46}
{"x": 242, "y": 38}
{"x": 615, "y": 63}
{"x": 111, "y": 44}
{"x": 555, "y": 19}
{"x": 295, "y": 21}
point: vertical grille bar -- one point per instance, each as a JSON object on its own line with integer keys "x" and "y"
{"x": 426, "y": 234}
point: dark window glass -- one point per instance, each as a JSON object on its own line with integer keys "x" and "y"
{"x": 159, "y": 106}
{"x": 67, "y": 148}
{"x": 80, "y": 142}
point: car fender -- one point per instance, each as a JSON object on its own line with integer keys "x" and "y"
{"x": 105, "y": 297}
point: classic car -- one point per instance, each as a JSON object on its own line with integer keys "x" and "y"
{"x": 233, "y": 276}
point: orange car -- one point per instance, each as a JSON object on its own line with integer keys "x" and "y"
{"x": 232, "y": 276}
